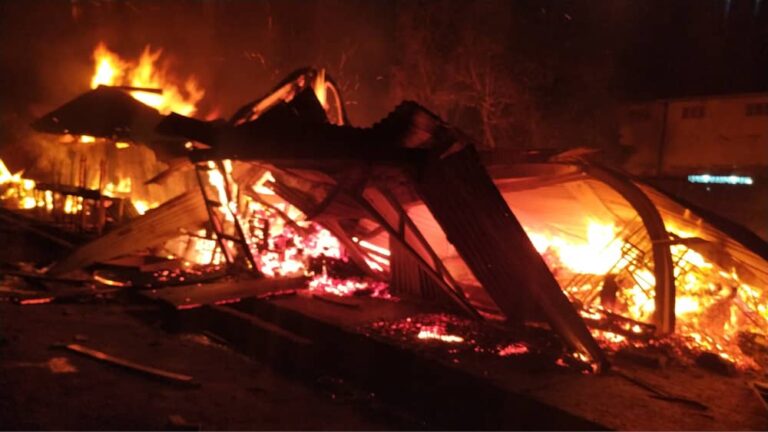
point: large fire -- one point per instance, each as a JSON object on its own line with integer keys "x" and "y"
{"x": 713, "y": 305}
{"x": 281, "y": 240}
{"x": 603, "y": 268}
{"x": 111, "y": 70}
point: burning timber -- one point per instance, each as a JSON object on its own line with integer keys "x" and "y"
{"x": 582, "y": 264}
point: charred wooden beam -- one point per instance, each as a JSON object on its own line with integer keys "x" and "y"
{"x": 70, "y": 190}
{"x": 295, "y": 82}
{"x": 187, "y": 296}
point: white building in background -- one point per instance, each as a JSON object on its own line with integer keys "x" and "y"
{"x": 721, "y": 136}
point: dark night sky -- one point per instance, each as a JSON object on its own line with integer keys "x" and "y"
{"x": 593, "y": 53}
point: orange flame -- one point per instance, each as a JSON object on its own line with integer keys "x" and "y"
{"x": 710, "y": 301}
{"x": 594, "y": 255}
{"x": 111, "y": 70}
{"x": 320, "y": 88}
{"x": 17, "y": 191}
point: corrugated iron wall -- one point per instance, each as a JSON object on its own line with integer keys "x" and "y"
{"x": 408, "y": 279}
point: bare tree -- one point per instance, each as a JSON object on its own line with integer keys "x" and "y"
{"x": 467, "y": 74}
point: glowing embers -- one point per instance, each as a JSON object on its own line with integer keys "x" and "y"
{"x": 513, "y": 349}
{"x": 608, "y": 271}
{"x": 459, "y": 340}
{"x": 37, "y": 301}
{"x": 437, "y": 332}
{"x": 349, "y": 286}
{"x": 283, "y": 243}
{"x": 166, "y": 97}
{"x": 184, "y": 274}
{"x": 464, "y": 339}
{"x": 287, "y": 247}
{"x": 443, "y": 328}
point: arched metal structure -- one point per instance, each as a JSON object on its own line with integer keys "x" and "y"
{"x": 521, "y": 176}
{"x": 663, "y": 267}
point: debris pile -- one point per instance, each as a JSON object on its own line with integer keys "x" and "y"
{"x": 285, "y": 195}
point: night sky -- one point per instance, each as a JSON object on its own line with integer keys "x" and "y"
{"x": 558, "y": 66}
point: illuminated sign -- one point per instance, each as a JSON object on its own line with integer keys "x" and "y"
{"x": 720, "y": 179}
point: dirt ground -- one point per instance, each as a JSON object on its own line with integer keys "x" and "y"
{"x": 52, "y": 389}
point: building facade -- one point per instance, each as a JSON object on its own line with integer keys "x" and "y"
{"x": 711, "y": 150}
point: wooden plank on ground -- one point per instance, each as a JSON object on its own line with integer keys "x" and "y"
{"x": 130, "y": 365}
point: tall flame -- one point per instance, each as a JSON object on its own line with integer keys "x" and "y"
{"x": 320, "y": 88}
{"x": 111, "y": 70}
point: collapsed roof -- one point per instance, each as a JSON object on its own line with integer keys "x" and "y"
{"x": 416, "y": 183}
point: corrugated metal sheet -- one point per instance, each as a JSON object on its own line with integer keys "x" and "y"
{"x": 408, "y": 279}
{"x": 476, "y": 219}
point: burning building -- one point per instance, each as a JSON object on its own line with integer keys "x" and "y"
{"x": 402, "y": 211}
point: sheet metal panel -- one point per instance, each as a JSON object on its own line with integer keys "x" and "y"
{"x": 476, "y": 219}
